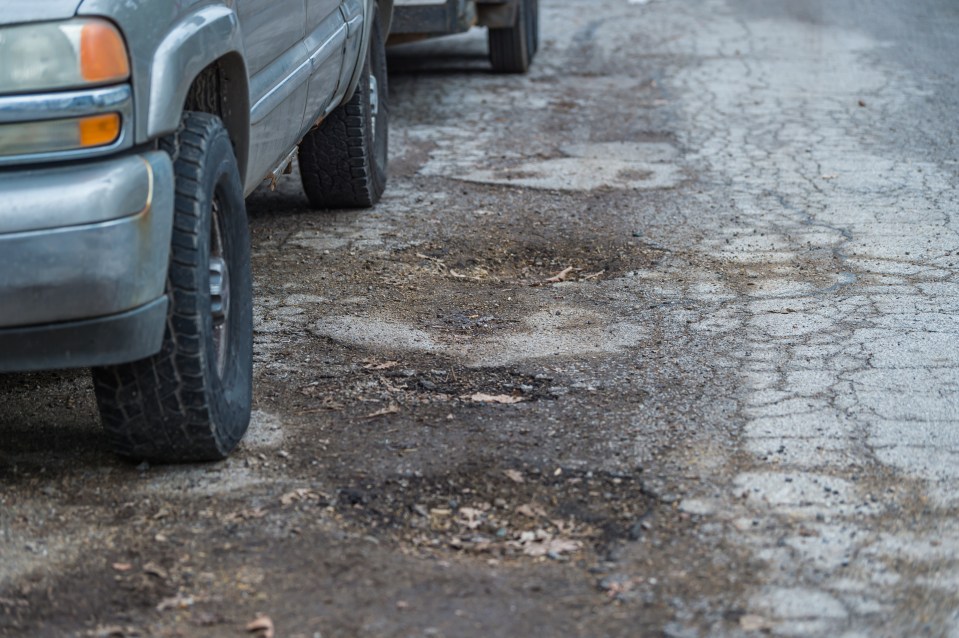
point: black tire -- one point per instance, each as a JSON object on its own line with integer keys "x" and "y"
{"x": 191, "y": 401}
{"x": 511, "y": 49}
{"x": 343, "y": 161}
{"x": 533, "y": 28}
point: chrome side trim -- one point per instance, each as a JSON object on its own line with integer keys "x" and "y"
{"x": 16, "y": 109}
{"x": 353, "y": 14}
{"x": 62, "y": 105}
{"x": 299, "y": 75}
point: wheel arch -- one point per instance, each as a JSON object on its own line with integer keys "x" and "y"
{"x": 221, "y": 89}
{"x": 199, "y": 66}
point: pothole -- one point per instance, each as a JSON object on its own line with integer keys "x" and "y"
{"x": 376, "y": 384}
{"x": 503, "y": 513}
{"x": 506, "y": 258}
{"x": 555, "y": 332}
{"x": 587, "y": 167}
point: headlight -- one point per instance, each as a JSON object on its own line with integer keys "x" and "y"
{"x": 50, "y": 136}
{"x": 61, "y": 55}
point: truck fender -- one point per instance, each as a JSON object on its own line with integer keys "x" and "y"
{"x": 191, "y": 45}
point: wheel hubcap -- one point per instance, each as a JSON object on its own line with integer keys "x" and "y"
{"x": 219, "y": 289}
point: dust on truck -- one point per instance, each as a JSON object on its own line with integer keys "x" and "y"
{"x": 131, "y": 132}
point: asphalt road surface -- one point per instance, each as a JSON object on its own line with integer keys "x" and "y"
{"x": 658, "y": 340}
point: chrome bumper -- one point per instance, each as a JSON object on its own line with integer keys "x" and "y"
{"x": 83, "y": 246}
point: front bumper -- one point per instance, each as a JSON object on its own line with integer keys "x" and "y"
{"x": 84, "y": 251}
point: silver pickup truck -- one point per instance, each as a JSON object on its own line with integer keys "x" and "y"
{"x": 130, "y": 133}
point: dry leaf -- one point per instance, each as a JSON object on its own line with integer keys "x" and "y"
{"x": 514, "y": 475}
{"x": 440, "y": 518}
{"x": 390, "y": 409}
{"x": 386, "y": 365}
{"x": 481, "y": 397}
{"x": 553, "y": 546}
{"x": 155, "y": 570}
{"x": 112, "y": 631}
{"x": 179, "y": 601}
{"x": 299, "y": 494}
{"x": 563, "y": 546}
{"x": 530, "y": 511}
{"x": 471, "y": 517}
{"x": 752, "y": 622}
{"x": 261, "y": 623}
{"x": 428, "y": 258}
{"x": 245, "y": 515}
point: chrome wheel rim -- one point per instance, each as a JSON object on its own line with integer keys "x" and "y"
{"x": 374, "y": 102}
{"x": 219, "y": 289}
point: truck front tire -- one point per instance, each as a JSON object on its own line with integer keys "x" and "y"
{"x": 343, "y": 160}
{"x": 191, "y": 401}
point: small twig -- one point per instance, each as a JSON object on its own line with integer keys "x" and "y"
{"x": 455, "y": 274}
{"x": 392, "y": 408}
{"x": 558, "y": 277}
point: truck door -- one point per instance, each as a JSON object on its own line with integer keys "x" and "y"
{"x": 326, "y": 34}
{"x": 278, "y": 64}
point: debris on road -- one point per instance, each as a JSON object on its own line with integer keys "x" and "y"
{"x": 752, "y": 622}
{"x": 384, "y": 365}
{"x": 301, "y": 494}
{"x": 514, "y": 475}
{"x": 481, "y": 397}
{"x": 179, "y": 601}
{"x": 262, "y": 625}
{"x": 390, "y": 409}
{"x": 558, "y": 277}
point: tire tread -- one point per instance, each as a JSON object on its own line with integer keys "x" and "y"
{"x": 160, "y": 408}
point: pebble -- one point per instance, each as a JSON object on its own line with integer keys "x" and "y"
{"x": 614, "y": 580}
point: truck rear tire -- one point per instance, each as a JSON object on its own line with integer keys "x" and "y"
{"x": 191, "y": 401}
{"x": 511, "y": 49}
{"x": 343, "y": 161}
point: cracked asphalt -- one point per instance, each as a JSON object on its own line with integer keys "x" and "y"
{"x": 736, "y": 413}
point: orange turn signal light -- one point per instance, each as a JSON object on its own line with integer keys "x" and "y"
{"x": 98, "y": 130}
{"x": 103, "y": 55}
